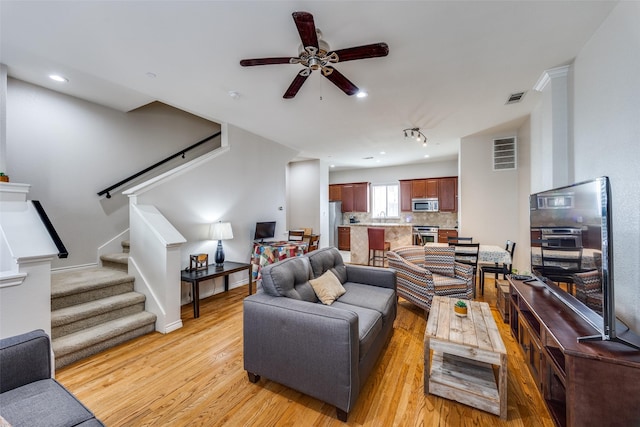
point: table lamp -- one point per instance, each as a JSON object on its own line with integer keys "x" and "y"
{"x": 220, "y": 231}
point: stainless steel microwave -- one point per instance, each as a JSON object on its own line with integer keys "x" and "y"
{"x": 424, "y": 205}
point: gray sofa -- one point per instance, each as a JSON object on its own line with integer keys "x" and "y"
{"x": 324, "y": 351}
{"x": 28, "y": 394}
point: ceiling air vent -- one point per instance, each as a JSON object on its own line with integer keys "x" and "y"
{"x": 515, "y": 97}
{"x": 504, "y": 154}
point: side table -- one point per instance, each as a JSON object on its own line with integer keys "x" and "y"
{"x": 211, "y": 272}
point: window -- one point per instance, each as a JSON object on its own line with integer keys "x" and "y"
{"x": 385, "y": 200}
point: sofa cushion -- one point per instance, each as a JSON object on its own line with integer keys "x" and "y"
{"x": 289, "y": 278}
{"x": 327, "y": 287}
{"x": 43, "y": 403}
{"x": 382, "y": 300}
{"x": 327, "y": 259}
{"x": 369, "y": 325}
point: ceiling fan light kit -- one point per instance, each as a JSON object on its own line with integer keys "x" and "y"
{"x": 315, "y": 54}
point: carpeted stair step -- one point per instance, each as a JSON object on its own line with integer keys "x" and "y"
{"x": 119, "y": 261}
{"x": 82, "y": 344}
{"x": 81, "y": 316}
{"x": 81, "y": 286}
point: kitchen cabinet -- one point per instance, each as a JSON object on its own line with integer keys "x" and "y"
{"x": 405, "y": 196}
{"x": 335, "y": 193}
{"x": 432, "y": 188}
{"x": 344, "y": 238}
{"x": 361, "y": 197}
{"x": 354, "y": 196}
{"x": 419, "y": 189}
{"x": 448, "y": 194}
{"x": 443, "y": 235}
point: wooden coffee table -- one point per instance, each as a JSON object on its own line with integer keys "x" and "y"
{"x": 465, "y": 351}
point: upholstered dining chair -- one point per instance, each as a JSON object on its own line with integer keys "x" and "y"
{"x": 497, "y": 269}
{"x": 425, "y": 271}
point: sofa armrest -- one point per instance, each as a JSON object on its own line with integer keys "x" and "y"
{"x": 310, "y": 347}
{"x": 375, "y": 276}
{"x": 24, "y": 358}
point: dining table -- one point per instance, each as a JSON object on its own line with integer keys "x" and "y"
{"x": 487, "y": 254}
{"x": 265, "y": 253}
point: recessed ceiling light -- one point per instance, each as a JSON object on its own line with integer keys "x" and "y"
{"x": 58, "y": 78}
{"x": 362, "y": 94}
{"x": 383, "y": 153}
{"x": 332, "y": 166}
{"x": 426, "y": 156}
{"x": 234, "y": 94}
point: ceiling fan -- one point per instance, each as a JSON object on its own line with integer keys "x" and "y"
{"x": 315, "y": 54}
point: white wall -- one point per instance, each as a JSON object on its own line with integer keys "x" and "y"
{"x": 303, "y": 207}
{"x": 395, "y": 173}
{"x": 607, "y": 139}
{"x": 488, "y": 207}
{"x": 243, "y": 186}
{"x": 69, "y": 149}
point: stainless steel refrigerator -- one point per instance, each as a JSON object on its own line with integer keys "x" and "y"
{"x": 335, "y": 219}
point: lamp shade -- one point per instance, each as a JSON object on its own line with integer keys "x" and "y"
{"x": 221, "y": 231}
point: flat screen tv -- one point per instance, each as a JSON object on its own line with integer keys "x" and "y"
{"x": 265, "y": 230}
{"x": 575, "y": 222}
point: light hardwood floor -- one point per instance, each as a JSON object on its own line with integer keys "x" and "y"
{"x": 194, "y": 377}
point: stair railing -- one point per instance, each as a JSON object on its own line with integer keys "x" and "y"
{"x": 62, "y": 250}
{"x": 155, "y": 165}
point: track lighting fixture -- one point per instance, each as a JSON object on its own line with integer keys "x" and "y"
{"x": 417, "y": 134}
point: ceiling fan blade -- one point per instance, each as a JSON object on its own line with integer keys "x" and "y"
{"x": 340, "y": 80}
{"x": 361, "y": 52}
{"x": 266, "y": 61}
{"x": 306, "y": 28}
{"x": 296, "y": 84}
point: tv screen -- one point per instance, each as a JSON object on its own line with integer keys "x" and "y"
{"x": 571, "y": 233}
{"x": 265, "y": 230}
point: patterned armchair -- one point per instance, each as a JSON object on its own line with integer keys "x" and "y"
{"x": 589, "y": 289}
{"x": 425, "y": 271}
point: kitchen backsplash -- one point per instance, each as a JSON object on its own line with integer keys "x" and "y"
{"x": 441, "y": 219}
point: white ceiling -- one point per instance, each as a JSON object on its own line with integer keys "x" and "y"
{"x": 451, "y": 66}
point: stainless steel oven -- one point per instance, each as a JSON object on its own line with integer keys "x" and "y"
{"x": 423, "y": 234}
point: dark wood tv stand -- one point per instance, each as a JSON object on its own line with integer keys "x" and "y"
{"x": 595, "y": 383}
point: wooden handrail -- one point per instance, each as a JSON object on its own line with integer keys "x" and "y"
{"x": 155, "y": 165}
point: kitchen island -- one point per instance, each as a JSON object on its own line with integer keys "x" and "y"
{"x": 397, "y": 234}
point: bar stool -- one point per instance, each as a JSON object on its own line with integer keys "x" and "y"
{"x": 376, "y": 244}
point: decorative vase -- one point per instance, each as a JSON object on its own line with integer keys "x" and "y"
{"x": 460, "y": 311}
{"x": 4, "y": 178}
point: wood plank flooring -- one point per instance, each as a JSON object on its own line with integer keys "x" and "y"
{"x": 194, "y": 377}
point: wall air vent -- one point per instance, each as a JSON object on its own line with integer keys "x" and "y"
{"x": 515, "y": 97}
{"x": 504, "y": 154}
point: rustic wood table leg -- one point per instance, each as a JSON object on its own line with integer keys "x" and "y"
{"x": 427, "y": 364}
{"x": 502, "y": 386}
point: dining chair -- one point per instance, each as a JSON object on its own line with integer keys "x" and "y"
{"x": 456, "y": 239}
{"x": 314, "y": 239}
{"x": 497, "y": 269}
{"x": 296, "y": 235}
{"x": 468, "y": 253}
{"x": 377, "y": 245}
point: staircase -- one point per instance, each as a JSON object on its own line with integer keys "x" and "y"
{"x": 96, "y": 309}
